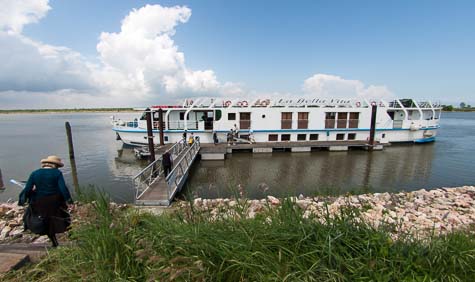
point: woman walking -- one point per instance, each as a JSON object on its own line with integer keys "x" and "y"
{"x": 47, "y": 195}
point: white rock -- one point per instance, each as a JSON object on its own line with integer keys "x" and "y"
{"x": 273, "y": 200}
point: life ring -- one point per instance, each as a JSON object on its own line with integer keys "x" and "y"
{"x": 190, "y": 102}
{"x": 239, "y": 104}
{"x": 264, "y": 103}
{"x": 228, "y": 103}
{"x": 358, "y": 104}
{"x": 244, "y": 103}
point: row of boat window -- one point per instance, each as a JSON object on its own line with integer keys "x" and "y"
{"x": 309, "y": 137}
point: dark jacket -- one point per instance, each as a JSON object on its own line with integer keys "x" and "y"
{"x": 166, "y": 159}
{"x": 47, "y": 182}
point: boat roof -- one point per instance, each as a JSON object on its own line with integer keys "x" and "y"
{"x": 220, "y": 102}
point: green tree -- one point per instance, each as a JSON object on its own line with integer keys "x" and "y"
{"x": 447, "y": 108}
{"x": 462, "y": 105}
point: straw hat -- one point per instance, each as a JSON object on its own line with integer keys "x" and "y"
{"x": 53, "y": 160}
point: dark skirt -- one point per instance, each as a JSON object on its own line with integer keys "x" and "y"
{"x": 55, "y": 212}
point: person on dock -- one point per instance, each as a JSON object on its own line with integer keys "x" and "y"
{"x": 251, "y": 136}
{"x": 215, "y": 138}
{"x": 47, "y": 196}
{"x": 184, "y": 136}
{"x": 191, "y": 140}
{"x": 230, "y": 137}
{"x": 236, "y": 131}
{"x": 167, "y": 163}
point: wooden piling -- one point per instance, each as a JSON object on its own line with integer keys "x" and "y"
{"x": 372, "y": 130}
{"x": 160, "y": 126}
{"x": 71, "y": 157}
{"x": 70, "y": 140}
{"x": 151, "y": 148}
{"x": 2, "y": 186}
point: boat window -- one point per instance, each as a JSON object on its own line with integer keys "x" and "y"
{"x": 330, "y": 120}
{"x": 302, "y": 122}
{"x": 231, "y": 116}
{"x": 342, "y": 118}
{"x": 286, "y": 122}
{"x": 313, "y": 137}
{"x": 245, "y": 120}
{"x": 301, "y": 137}
{"x": 144, "y": 116}
{"x": 351, "y": 136}
{"x": 353, "y": 121}
{"x": 182, "y": 115}
{"x": 218, "y": 115}
{"x": 285, "y": 137}
{"x": 273, "y": 137}
{"x": 340, "y": 136}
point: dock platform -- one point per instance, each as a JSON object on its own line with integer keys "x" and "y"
{"x": 219, "y": 151}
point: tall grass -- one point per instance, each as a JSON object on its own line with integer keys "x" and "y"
{"x": 277, "y": 245}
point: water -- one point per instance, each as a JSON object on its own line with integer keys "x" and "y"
{"x": 101, "y": 161}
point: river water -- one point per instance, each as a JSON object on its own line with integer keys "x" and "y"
{"x": 103, "y": 162}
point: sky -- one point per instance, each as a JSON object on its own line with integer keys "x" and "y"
{"x": 85, "y": 53}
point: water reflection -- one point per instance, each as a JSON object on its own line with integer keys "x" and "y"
{"x": 313, "y": 173}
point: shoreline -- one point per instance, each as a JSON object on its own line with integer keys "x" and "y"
{"x": 418, "y": 213}
{"x": 58, "y": 111}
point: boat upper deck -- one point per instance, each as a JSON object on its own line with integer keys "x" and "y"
{"x": 212, "y": 103}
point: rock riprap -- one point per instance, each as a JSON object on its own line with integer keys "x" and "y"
{"x": 418, "y": 213}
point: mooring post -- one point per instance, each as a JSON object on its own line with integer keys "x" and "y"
{"x": 2, "y": 186}
{"x": 372, "y": 129}
{"x": 150, "y": 134}
{"x": 160, "y": 126}
{"x": 72, "y": 160}
{"x": 70, "y": 140}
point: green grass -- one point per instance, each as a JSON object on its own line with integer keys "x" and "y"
{"x": 277, "y": 245}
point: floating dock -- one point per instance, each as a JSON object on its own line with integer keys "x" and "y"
{"x": 219, "y": 151}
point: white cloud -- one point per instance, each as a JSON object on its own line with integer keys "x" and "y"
{"x": 14, "y": 14}
{"x": 325, "y": 85}
{"x": 144, "y": 54}
{"x": 136, "y": 66}
{"x": 32, "y": 66}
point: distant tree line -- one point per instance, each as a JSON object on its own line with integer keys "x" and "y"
{"x": 463, "y": 107}
{"x": 67, "y": 110}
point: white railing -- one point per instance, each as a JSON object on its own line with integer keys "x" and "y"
{"x": 153, "y": 172}
{"x": 191, "y": 124}
{"x": 177, "y": 176}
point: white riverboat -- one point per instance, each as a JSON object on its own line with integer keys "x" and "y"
{"x": 288, "y": 119}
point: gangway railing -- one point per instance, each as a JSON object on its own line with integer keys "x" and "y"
{"x": 153, "y": 172}
{"x": 179, "y": 173}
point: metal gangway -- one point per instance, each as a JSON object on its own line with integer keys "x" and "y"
{"x": 152, "y": 188}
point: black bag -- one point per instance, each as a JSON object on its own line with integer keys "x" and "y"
{"x": 34, "y": 222}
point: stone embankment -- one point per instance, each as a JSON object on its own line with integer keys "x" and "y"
{"x": 418, "y": 213}
{"x": 11, "y": 222}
